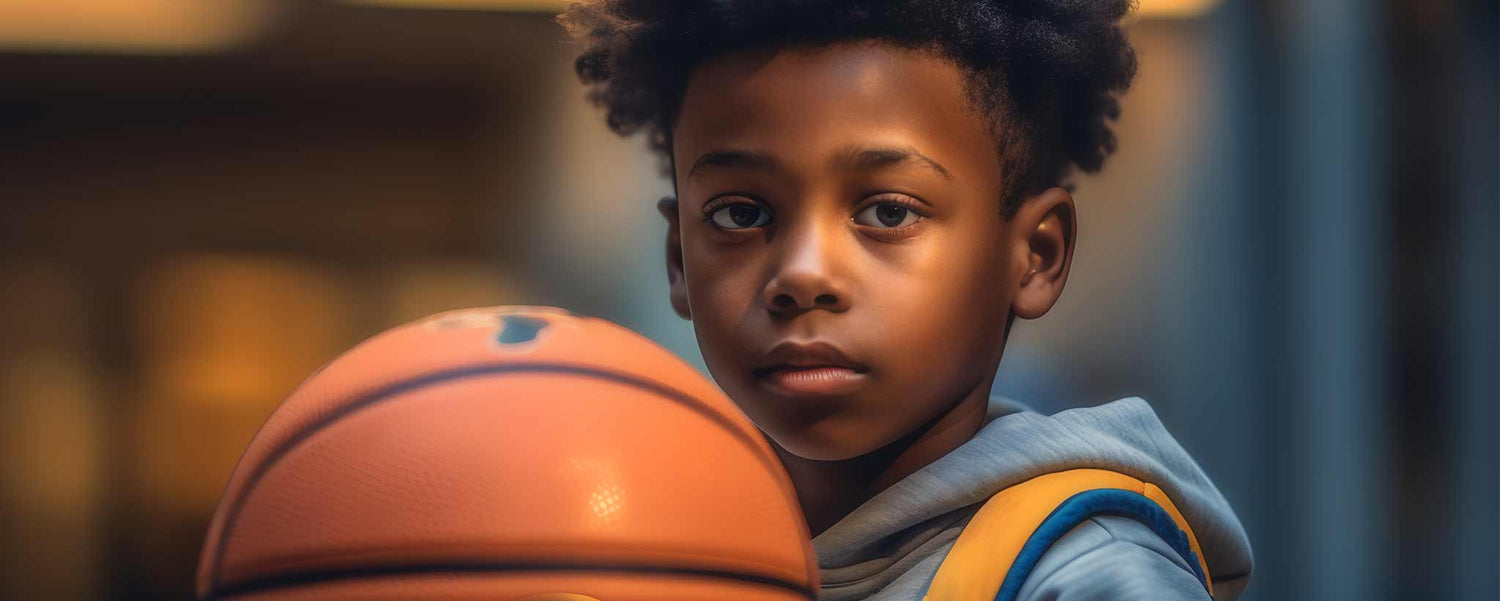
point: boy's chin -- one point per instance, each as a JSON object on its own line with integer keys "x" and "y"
{"x": 827, "y": 440}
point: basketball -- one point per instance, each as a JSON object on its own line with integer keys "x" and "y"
{"x": 507, "y": 453}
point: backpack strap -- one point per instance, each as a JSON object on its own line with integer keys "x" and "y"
{"x": 1003, "y": 542}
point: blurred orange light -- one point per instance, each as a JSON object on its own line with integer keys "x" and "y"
{"x": 131, "y": 26}
{"x": 239, "y": 329}
{"x": 1174, "y": 9}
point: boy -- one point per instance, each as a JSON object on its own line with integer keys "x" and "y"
{"x": 867, "y": 196}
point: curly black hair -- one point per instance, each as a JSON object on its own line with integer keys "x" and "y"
{"x": 1046, "y": 74}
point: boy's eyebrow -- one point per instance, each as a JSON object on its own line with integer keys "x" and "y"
{"x": 859, "y": 158}
{"x": 863, "y": 158}
{"x": 732, "y": 158}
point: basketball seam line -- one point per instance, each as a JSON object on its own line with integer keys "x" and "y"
{"x": 294, "y": 579}
{"x": 418, "y": 382}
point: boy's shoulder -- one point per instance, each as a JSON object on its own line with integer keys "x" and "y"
{"x": 1103, "y": 486}
{"x": 1018, "y": 445}
{"x": 1039, "y": 532}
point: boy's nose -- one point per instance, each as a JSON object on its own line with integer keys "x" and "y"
{"x": 807, "y": 275}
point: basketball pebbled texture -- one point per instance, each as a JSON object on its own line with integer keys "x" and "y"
{"x": 503, "y": 453}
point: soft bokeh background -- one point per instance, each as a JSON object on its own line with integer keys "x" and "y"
{"x": 1293, "y": 257}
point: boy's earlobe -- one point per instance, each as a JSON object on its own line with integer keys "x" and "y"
{"x": 1049, "y": 229}
{"x": 678, "y": 286}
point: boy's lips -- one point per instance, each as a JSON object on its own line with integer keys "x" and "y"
{"x": 815, "y": 368}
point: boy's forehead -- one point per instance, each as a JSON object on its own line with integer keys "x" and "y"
{"x": 824, "y": 98}
{"x": 865, "y": 65}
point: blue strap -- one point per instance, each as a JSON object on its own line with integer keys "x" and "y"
{"x": 1087, "y": 504}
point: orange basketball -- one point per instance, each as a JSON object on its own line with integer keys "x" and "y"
{"x": 508, "y": 453}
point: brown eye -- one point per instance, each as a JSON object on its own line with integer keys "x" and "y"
{"x": 886, "y": 215}
{"x": 739, "y": 216}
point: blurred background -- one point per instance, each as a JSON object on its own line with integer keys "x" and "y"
{"x": 1293, "y": 257}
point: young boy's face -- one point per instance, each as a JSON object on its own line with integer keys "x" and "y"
{"x": 843, "y": 258}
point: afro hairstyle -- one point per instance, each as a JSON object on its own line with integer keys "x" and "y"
{"x": 1045, "y": 74}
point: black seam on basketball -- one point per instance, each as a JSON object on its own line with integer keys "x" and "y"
{"x": 414, "y": 383}
{"x": 297, "y": 579}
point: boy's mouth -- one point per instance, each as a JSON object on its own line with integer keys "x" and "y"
{"x": 811, "y": 369}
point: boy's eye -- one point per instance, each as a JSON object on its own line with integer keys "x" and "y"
{"x": 739, "y": 216}
{"x": 887, "y": 215}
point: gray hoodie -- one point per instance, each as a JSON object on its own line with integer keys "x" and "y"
{"x": 889, "y": 548}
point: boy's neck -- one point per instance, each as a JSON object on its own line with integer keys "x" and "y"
{"x": 829, "y": 490}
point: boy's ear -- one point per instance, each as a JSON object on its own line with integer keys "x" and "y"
{"x": 1046, "y": 230}
{"x": 678, "y": 291}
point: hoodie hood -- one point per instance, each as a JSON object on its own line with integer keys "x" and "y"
{"x": 909, "y": 526}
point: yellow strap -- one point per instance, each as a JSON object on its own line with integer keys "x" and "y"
{"x": 982, "y": 556}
